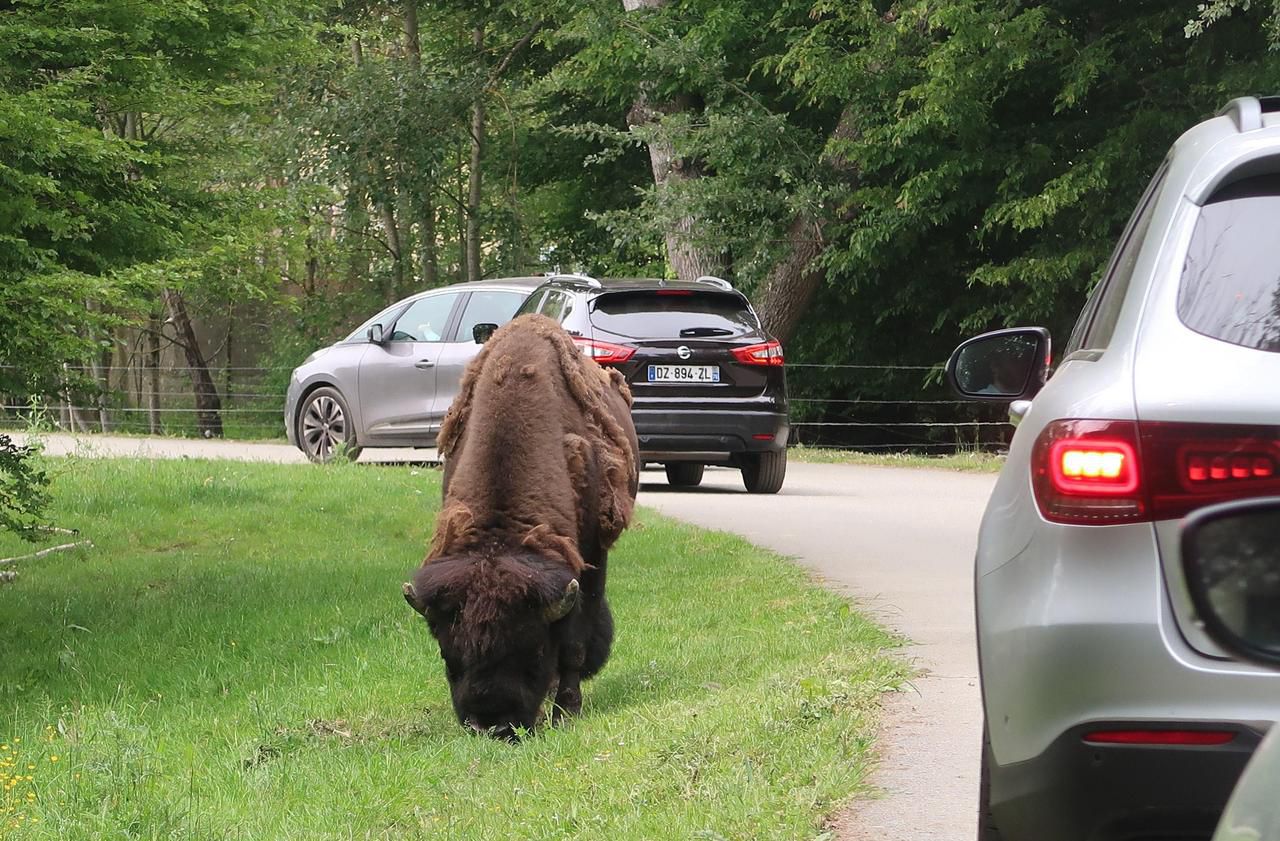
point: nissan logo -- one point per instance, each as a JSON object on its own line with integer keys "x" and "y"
{"x": 683, "y": 352}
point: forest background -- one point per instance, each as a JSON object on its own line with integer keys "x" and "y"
{"x": 195, "y": 195}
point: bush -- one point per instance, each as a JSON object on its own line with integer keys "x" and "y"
{"x": 23, "y": 489}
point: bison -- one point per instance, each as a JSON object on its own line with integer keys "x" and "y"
{"x": 540, "y": 479}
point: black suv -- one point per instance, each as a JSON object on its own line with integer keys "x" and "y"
{"x": 708, "y": 382}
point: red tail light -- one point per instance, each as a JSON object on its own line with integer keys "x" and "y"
{"x": 1087, "y": 471}
{"x": 769, "y": 353}
{"x": 674, "y": 292}
{"x": 1191, "y": 465}
{"x": 604, "y": 352}
{"x": 1160, "y": 737}
{"x": 1096, "y": 472}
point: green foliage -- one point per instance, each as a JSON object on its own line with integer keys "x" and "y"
{"x": 266, "y": 158}
{"x": 24, "y": 494}
{"x": 1207, "y": 14}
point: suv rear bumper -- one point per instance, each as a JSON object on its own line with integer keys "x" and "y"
{"x": 1076, "y": 633}
{"x": 705, "y": 432}
{"x": 1078, "y": 791}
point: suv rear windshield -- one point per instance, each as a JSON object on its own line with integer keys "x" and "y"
{"x": 673, "y": 314}
{"x": 1231, "y": 280}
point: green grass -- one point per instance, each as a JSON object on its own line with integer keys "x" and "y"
{"x": 233, "y": 660}
{"x": 966, "y": 462}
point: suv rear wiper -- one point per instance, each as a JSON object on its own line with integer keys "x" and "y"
{"x": 692, "y": 332}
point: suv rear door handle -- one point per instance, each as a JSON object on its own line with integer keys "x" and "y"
{"x": 424, "y": 364}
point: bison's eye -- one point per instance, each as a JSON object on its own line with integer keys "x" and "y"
{"x": 441, "y": 616}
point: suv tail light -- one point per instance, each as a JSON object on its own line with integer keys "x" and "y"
{"x": 1087, "y": 471}
{"x": 769, "y": 353}
{"x": 1097, "y": 472}
{"x": 604, "y": 352}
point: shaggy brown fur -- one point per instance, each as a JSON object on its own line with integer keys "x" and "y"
{"x": 541, "y": 472}
{"x": 505, "y": 481}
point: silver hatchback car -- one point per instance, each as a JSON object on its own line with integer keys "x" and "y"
{"x": 390, "y": 382}
{"x": 1110, "y": 714}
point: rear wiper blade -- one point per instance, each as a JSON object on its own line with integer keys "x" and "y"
{"x": 691, "y": 332}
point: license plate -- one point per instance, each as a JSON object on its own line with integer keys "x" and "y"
{"x": 684, "y": 374}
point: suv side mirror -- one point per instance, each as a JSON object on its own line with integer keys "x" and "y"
{"x": 1003, "y": 365}
{"x": 482, "y": 332}
{"x": 1231, "y": 557}
{"x": 375, "y": 334}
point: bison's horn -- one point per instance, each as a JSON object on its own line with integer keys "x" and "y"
{"x": 411, "y": 596}
{"x": 559, "y": 610}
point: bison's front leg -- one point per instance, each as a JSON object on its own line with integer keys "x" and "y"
{"x": 568, "y": 696}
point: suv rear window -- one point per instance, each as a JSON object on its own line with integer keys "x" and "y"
{"x": 673, "y": 314}
{"x": 1231, "y": 280}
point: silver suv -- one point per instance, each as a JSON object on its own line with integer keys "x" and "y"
{"x": 1109, "y": 712}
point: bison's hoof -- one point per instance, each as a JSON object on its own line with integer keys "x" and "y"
{"x": 568, "y": 704}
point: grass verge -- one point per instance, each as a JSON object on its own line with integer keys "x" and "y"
{"x": 967, "y": 462}
{"x": 233, "y": 660}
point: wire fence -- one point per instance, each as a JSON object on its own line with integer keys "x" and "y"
{"x": 899, "y": 407}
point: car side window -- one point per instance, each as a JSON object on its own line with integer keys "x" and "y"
{"x": 532, "y": 302}
{"x": 488, "y": 307}
{"x": 1097, "y": 322}
{"x": 557, "y": 305}
{"x": 425, "y": 320}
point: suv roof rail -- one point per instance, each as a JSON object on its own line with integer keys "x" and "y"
{"x": 584, "y": 279}
{"x": 1247, "y": 111}
{"x": 715, "y": 281}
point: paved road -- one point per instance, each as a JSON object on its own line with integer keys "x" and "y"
{"x": 898, "y": 541}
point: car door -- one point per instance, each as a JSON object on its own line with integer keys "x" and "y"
{"x": 398, "y": 377}
{"x": 487, "y": 306}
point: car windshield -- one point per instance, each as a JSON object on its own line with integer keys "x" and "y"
{"x": 360, "y": 334}
{"x": 1230, "y": 286}
{"x": 673, "y": 314}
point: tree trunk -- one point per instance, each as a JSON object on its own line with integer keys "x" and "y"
{"x": 412, "y": 42}
{"x": 430, "y": 259}
{"x": 688, "y": 258}
{"x": 356, "y": 235}
{"x": 208, "y": 404}
{"x": 395, "y": 281}
{"x": 461, "y": 185}
{"x": 474, "y": 183}
{"x": 101, "y": 369}
{"x": 787, "y": 291}
{"x": 151, "y": 362}
{"x": 76, "y": 421}
{"x": 357, "y": 209}
{"x": 386, "y": 204}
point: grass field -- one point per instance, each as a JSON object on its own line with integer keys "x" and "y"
{"x": 233, "y": 660}
{"x": 965, "y": 462}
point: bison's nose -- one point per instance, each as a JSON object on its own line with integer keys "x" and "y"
{"x": 505, "y": 732}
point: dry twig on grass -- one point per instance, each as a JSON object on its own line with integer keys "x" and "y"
{"x": 88, "y": 544}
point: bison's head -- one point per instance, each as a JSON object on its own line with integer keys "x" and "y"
{"x": 498, "y": 623}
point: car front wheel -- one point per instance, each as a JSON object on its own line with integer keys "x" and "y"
{"x": 325, "y": 429}
{"x": 763, "y": 473}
